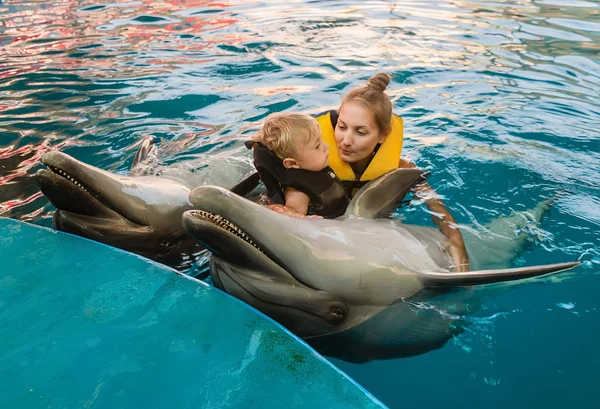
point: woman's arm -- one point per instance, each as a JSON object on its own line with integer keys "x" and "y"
{"x": 443, "y": 219}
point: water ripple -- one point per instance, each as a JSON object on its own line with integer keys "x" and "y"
{"x": 507, "y": 82}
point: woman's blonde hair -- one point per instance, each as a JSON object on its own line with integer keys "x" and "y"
{"x": 282, "y": 132}
{"x": 373, "y": 97}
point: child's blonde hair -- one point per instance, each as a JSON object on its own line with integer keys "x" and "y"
{"x": 282, "y": 132}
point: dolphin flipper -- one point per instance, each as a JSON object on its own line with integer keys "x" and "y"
{"x": 435, "y": 279}
{"x": 147, "y": 148}
{"x": 380, "y": 197}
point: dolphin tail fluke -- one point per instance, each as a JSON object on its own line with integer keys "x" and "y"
{"x": 434, "y": 279}
{"x": 147, "y": 149}
{"x": 505, "y": 238}
{"x": 542, "y": 207}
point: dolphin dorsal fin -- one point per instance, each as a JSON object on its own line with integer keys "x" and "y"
{"x": 379, "y": 197}
{"x": 147, "y": 148}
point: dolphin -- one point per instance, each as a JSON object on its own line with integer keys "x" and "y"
{"x": 359, "y": 287}
{"x": 140, "y": 212}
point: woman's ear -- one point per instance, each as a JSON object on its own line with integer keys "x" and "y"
{"x": 383, "y": 138}
{"x": 290, "y": 163}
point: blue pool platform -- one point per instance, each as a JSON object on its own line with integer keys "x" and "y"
{"x": 87, "y": 325}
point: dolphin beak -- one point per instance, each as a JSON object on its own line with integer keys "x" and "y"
{"x": 268, "y": 229}
{"x": 221, "y": 237}
{"x": 67, "y": 196}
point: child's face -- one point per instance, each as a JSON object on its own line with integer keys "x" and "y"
{"x": 356, "y": 132}
{"x": 314, "y": 154}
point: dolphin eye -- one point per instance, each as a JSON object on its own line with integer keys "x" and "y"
{"x": 337, "y": 315}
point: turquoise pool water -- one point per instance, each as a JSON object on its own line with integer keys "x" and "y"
{"x": 135, "y": 334}
{"x": 501, "y": 103}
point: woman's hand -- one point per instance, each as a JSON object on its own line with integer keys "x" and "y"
{"x": 456, "y": 248}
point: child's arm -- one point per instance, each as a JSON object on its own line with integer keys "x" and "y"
{"x": 296, "y": 200}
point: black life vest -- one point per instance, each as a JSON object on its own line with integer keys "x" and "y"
{"x": 327, "y": 195}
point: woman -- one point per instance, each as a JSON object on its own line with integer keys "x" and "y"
{"x": 367, "y": 138}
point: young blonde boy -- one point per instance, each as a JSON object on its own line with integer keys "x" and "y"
{"x": 296, "y": 140}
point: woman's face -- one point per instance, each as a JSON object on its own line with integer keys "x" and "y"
{"x": 356, "y": 132}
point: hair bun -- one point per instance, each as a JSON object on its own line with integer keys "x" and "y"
{"x": 379, "y": 81}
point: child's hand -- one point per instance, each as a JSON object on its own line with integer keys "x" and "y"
{"x": 286, "y": 211}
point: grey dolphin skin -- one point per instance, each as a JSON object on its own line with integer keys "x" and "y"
{"x": 137, "y": 213}
{"x": 357, "y": 287}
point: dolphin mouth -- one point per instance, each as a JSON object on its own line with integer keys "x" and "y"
{"x": 59, "y": 174}
{"x": 67, "y": 194}
{"x": 226, "y": 225}
{"x": 80, "y": 210}
{"x": 71, "y": 196}
{"x": 229, "y": 241}
{"x": 70, "y": 178}
{"x": 232, "y": 228}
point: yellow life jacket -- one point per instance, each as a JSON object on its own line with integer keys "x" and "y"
{"x": 386, "y": 158}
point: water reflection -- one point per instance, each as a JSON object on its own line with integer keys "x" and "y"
{"x": 92, "y": 36}
{"x": 53, "y": 54}
{"x": 513, "y": 83}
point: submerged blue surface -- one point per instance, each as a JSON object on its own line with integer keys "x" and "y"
{"x": 500, "y": 103}
{"x": 85, "y": 325}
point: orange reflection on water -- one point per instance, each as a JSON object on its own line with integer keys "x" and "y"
{"x": 95, "y": 38}
{"x": 11, "y": 204}
{"x": 266, "y": 91}
{"x": 16, "y": 179}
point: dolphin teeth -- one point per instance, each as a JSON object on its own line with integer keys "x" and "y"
{"x": 68, "y": 177}
{"x": 226, "y": 225}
